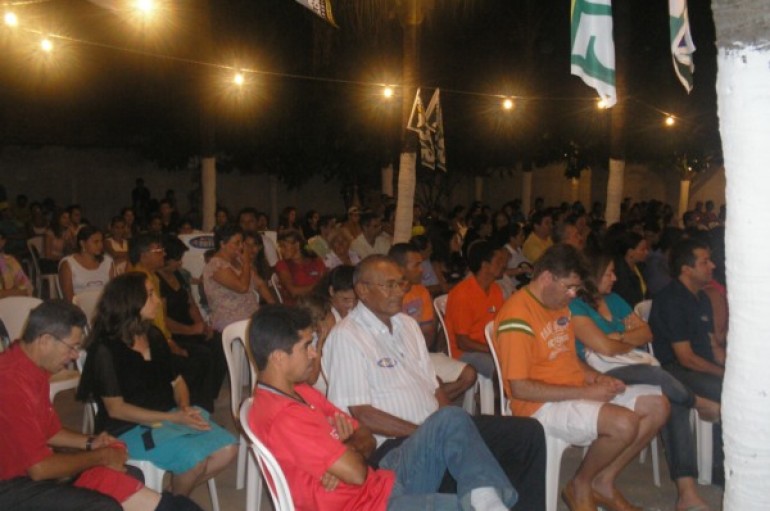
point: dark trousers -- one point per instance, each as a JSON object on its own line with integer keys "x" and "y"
{"x": 24, "y": 494}
{"x": 203, "y": 369}
{"x": 518, "y": 445}
{"x": 708, "y": 386}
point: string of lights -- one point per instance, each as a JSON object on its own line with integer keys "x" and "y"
{"x": 507, "y": 101}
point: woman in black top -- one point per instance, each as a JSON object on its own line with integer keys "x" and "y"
{"x": 190, "y": 331}
{"x": 142, "y": 399}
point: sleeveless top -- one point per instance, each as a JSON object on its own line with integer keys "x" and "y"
{"x": 84, "y": 279}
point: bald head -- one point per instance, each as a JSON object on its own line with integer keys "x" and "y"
{"x": 371, "y": 266}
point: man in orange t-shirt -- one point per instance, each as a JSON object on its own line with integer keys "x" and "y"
{"x": 535, "y": 343}
{"x": 455, "y": 377}
{"x": 473, "y": 303}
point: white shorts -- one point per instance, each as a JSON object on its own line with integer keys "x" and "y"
{"x": 576, "y": 421}
{"x": 447, "y": 368}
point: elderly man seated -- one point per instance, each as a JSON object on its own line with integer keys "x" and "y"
{"x": 323, "y": 451}
{"x": 379, "y": 370}
{"x": 543, "y": 377}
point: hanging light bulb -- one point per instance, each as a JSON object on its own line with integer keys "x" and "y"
{"x": 238, "y": 79}
{"x": 601, "y": 104}
{"x": 46, "y": 45}
{"x": 507, "y": 104}
{"x": 145, "y": 6}
{"x": 670, "y": 120}
{"x": 11, "y": 19}
{"x": 387, "y": 92}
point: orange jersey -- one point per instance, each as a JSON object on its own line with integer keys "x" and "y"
{"x": 535, "y": 343}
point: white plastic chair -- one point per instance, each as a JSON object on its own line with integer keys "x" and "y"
{"x": 275, "y": 283}
{"x": 554, "y": 446}
{"x": 87, "y": 301}
{"x": 271, "y": 470}
{"x": 643, "y": 309}
{"x": 483, "y": 384}
{"x": 239, "y": 365}
{"x": 704, "y": 436}
{"x": 51, "y": 279}
{"x": 14, "y": 311}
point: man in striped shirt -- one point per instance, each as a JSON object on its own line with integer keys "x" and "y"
{"x": 379, "y": 369}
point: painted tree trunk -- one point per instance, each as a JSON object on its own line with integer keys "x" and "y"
{"x": 478, "y": 188}
{"x": 684, "y": 197}
{"x": 614, "y": 190}
{"x": 386, "y": 174}
{"x": 743, "y": 90}
{"x": 407, "y": 168}
{"x": 209, "y": 191}
{"x": 526, "y": 191}
{"x": 574, "y": 190}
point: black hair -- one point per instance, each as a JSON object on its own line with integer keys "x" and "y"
{"x": 420, "y": 242}
{"x": 224, "y": 234}
{"x": 683, "y": 254}
{"x": 296, "y": 236}
{"x": 85, "y": 233}
{"x": 624, "y": 242}
{"x": 367, "y": 218}
{"x": 480, "y": 251}
{"x": 174, "y": 248}
{"x": 596, "y": 264}
{"x": 275, "y": 327}
{"x": 340, "y": 278}
{"x": 538, "y": 217}
{"x": 141, "y": 244}
{"x": 561, "y": 260}
{"x": 399, "y": 251}
{"x": 54, "y": 317}
{"x": 118, "y": 312}
{"x": 117, "y": 219}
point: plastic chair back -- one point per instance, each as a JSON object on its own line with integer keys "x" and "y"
{"x": 87, "y": 301}
{"x": 276, "y": 481}
{"x": 439, "y": 305}
{"x": 275, "y": 283}
{"x": 14, "y": 311}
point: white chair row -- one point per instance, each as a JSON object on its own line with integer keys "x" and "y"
{"x": 35, "y": 247}
{"x": 484, "y": 385}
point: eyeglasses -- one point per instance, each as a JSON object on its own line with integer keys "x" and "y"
{"x": 74, "y": 350}
{"x": 390, "y": 285}
{"x": 570, "y": 288}
{"x": 157, "y": 250}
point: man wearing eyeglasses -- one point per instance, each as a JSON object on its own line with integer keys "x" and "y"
{"x": 379, "y": 369}
{"x": 32, "y": 465}
{"x": 544, "y": 379}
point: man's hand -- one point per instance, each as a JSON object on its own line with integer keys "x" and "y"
{"x": 113, "y": 457}
{"x": 604, "y": 389}
{"x": 343, "y": 425}
{"x": 329, "y": 481}
{"x": 103, "y": 439}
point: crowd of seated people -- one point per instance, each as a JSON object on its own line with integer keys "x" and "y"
{"x": 334, "y": 269}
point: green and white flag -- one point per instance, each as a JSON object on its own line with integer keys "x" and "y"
{"x": 682, "y": 46}
{"x": 593, "y": 49}
{"x": 322, "y": 8}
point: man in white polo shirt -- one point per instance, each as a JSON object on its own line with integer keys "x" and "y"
{"x": 379, "y": 369}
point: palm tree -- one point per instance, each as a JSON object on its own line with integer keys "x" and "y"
{"x": 743, "y": 90}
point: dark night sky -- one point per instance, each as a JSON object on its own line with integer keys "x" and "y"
{"x": 93, "y": 96}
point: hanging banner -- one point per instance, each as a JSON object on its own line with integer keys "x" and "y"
{"x": 682, "y": 46}
{"x": 418, "y": 123}
{"x": 593, "y": 49}
{"x": 435, "y": 119}
{"x": 322, "y": 8}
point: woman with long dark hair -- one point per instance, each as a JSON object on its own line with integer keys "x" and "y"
{"x": 630, "y": 251}
{"x": 142, "y": 399}
{"x": 608, "y": 333}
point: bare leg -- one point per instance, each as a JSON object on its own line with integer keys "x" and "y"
{"x": 143, "y": 500}
{"x": 708, "y": 410}
{"x": 652, "y": 412}
{"x": 688, "y": 494}
{"x": 457, "y": 388}
{"x": 617, "y": 428}
{"x": 183, "y": 484}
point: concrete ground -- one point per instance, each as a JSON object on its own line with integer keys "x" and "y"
{"x": 635, "y": 482}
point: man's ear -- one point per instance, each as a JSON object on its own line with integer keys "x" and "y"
{"x": 361, "y": 290}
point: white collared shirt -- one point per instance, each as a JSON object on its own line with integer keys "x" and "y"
{"x": 367, "y": 365}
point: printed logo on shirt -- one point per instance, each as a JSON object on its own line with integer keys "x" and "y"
{"x": 556, "y": 336}
{"x": 387, "y": 362}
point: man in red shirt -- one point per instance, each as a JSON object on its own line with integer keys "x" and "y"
{"x": 323, "y": 451}
{"x": 29, "y": 467}
{"x": 473, "y": 303}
